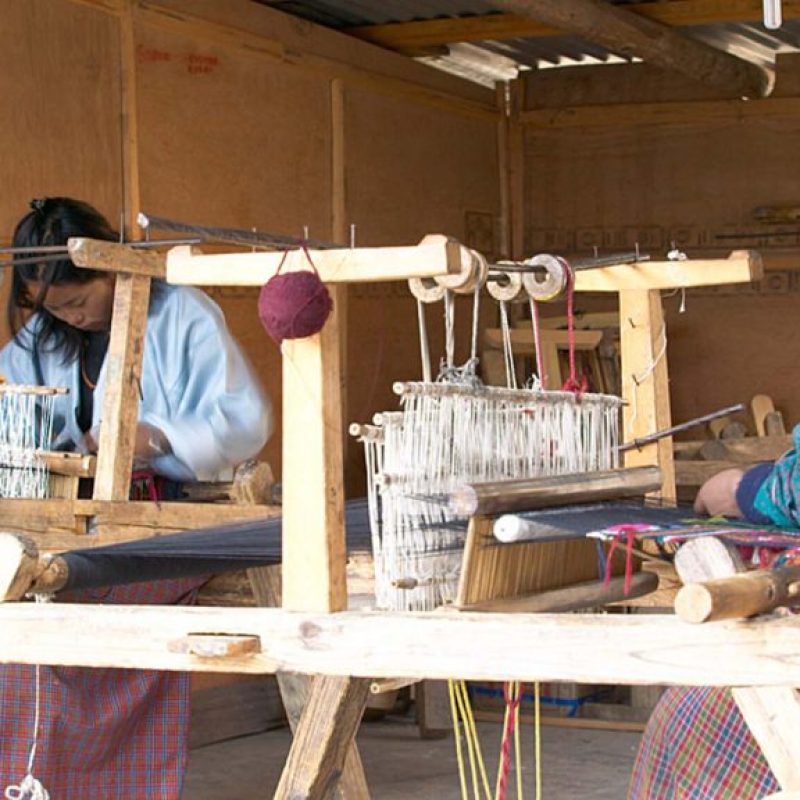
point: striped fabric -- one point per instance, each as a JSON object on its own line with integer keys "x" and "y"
{"x": 697, "y": 747}
{"x": 114, "y": 734}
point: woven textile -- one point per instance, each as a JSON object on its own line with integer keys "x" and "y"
{"x": 697, "y": 747}
{"x": 115, "y": 734}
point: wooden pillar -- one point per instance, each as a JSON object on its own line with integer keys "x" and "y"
{"x": 645, "y": 384}
{"x": 120, "y": 409}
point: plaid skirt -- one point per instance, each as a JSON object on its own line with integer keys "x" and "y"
{"x": 697, "y": 746}
{"x": 115, "y": 734}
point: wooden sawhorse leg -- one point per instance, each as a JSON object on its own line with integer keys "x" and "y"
{"x": 323, "y": 741}
{"x": 295, "y": 691}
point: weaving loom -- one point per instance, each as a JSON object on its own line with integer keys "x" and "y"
{"x": 456, "y": 430}
{"x": 26, "y": 431}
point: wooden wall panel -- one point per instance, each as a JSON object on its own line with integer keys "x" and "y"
{"x": 691, "y": 170}
{"x": 59, "y": 90}
{"x": 231, "y": 139}
{"x": 411, "y": 170}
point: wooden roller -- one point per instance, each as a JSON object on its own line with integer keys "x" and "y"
{"x": 529, "y": 494}
{"x": 23, "y": 571}
{"x": 739, "y": 596}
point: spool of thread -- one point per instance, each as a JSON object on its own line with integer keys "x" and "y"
{"x": 554, "y": 283}
{"x": 512, "y": 528}
{"x": 508, "y": 289}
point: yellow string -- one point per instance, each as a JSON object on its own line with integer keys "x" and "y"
{"x": 469, "y": 724}
{"x": 457, "y": 736}
{"x": 537, "y": 730}
{"x": 500, "y": 759}
{"x": 471, "y": 737}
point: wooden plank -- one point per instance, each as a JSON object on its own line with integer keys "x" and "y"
{"x": 522, "y": 340}
{"x": 760, "y": 406}
{"x": 323, "y": 737}
{"x": 113, "y": 257}
{"x": 347, "y": 265}
{"x": 587, "y": 648}
{"x": 670, "y": 113}
{"x": 740, "y": 267}
{"x": 645, "y": 386}
{"x": 655, "y": 43}
{"x": 434, "y": 717}
{"x": 412, "y": 36}
{"x": 746, "y": 450}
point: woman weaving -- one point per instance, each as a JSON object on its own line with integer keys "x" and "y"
{"x": 697, "y": 745}
{"x": 118, "y": 734}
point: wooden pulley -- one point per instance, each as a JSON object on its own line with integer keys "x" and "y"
{"x": 509, "y": 287}
{"x": 473, "y": 270}
{"x": 554, "y": 282}
{"x": 426, "y": 290}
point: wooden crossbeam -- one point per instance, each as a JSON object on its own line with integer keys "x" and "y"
{"x": 627, "y": 649}
{"x": 742, "y": 266}
{"x": 412, "y": 37}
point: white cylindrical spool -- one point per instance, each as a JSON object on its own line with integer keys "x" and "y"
{"x": 513, "y": 528}
{"x": 554, "y": 283}
{"x": 508, "y": 291}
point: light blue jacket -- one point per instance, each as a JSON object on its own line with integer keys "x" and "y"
{"x": 197, "y": 387}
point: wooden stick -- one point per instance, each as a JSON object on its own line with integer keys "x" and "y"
{"x": 571, "y": 598}
{"x": 739, "y": 596}
{"x": 115, "y": 257}
{"x": 500, "y": 497}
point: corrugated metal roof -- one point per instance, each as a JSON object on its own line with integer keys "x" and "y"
{"x": 488, "y": 61}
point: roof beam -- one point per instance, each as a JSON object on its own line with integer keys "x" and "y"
{"x": 655, "y": 43}
{"x": 412, "y": 37}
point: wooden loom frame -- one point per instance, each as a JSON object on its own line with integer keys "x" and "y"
{"x": 340, "y": 648}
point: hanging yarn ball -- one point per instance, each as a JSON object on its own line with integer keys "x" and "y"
{"x": 294, "y": 305}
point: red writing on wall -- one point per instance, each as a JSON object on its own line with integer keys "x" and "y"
{"x": 196, "y": 63}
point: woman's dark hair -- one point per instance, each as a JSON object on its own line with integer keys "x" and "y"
{"x": 51, "y": 221}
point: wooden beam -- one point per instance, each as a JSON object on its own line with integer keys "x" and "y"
{"x": 528, "y": 494}
{"x": 588, "y": 648}
{"x": 742, "y": 266}
{"x": 666, "y": 114}
{"x": 314, "y": 551}
{"x": 421, "y": 34}
{"x": 522, "y": 340}
{"x": 113, "y": 257}
{"x": 363, "y": 264}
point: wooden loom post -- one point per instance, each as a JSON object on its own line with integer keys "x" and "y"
{"x": 645, "y": 384}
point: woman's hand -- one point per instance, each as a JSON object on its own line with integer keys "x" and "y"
{"x": 150, "y": 443}
{"x": 717, "y": 496}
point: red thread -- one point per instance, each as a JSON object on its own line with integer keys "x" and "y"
{"x": 577, "y": 386}
{"x": 512, "y": 703}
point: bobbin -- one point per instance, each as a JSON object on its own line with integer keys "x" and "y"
{"x": 555, "y": 281}
{"x": 509, "y": 289}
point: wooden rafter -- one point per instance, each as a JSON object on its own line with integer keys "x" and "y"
{"x": 412, "y": 37}
{"x": 635, "y": 35}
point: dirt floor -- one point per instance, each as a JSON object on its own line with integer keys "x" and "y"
{"x": 576, "y": 763}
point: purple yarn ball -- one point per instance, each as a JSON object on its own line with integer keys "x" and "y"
{"x": 293, "y": 305}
